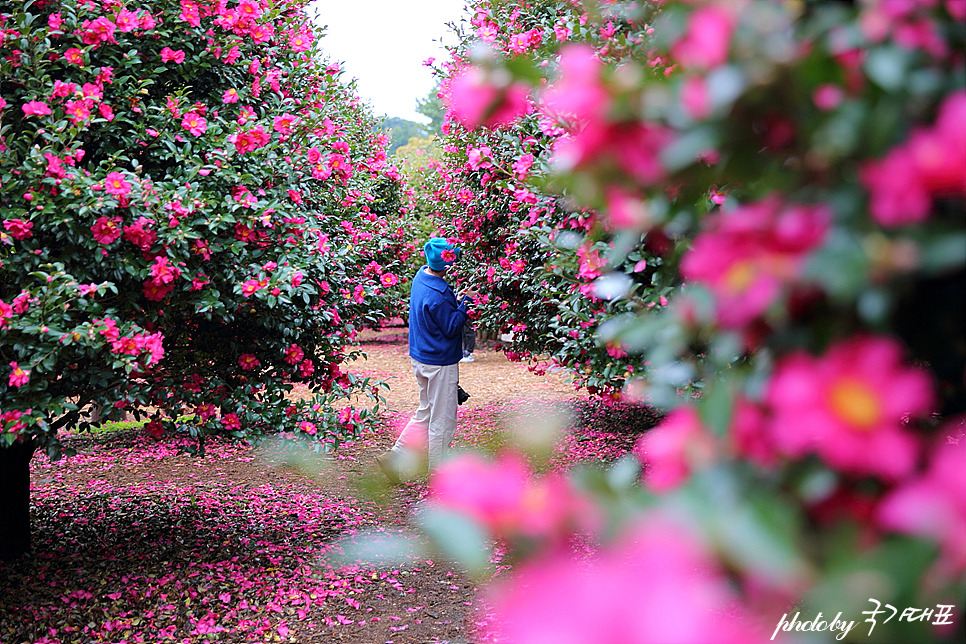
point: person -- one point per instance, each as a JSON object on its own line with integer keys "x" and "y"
{"x": 469, "y": 342}
{"x": 436, "y": 319}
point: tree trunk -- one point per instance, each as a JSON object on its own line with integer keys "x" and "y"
{"x": 15, "y": 499}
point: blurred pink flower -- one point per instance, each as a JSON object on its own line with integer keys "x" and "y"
{"x": 579, "y": 94}
{"x": 933, "y": 506}
{"x": 674, "y": 449}
{"x": 931, "y": 162}
{"x": 707, "y": 38}
{"x": 657, "y": 584}
{"x": 695, "y": 97}
{"x": 475, "y": 101}
{"x": 747, "y": 255}
{"x": 849, "y": 406}
{"x": 503, "y": 496}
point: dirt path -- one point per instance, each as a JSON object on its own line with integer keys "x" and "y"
{"x": 137, "y": 542}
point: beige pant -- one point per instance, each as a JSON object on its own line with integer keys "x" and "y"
{"x": 434, "y": 424}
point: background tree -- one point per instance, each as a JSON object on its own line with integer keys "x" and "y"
{"x": 194, "y": 212}
{"x": 400, "y": 131}
{"x": 432, "y": 108}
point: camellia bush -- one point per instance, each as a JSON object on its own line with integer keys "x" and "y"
{"x": 197, "y": 213}
{"x": 800, "y": 170}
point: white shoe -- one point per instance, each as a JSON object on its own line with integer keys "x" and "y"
{"x": 468, "y": 358}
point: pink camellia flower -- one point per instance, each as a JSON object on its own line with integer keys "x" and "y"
{"x": 190, "y": 13}
{"x": 248, "y": 361}
{"x": 140, "y": 234}
{"x": 194, "y": 123}
{"x": 126, "y": 21}
{"x": 294, "y": 354}
{"x": 849, "y": 406}
{"x": 74, "y": 56}
{"x": 448, "y": 255}
{"x": 479, "y": 158}
{"x": 475, "y": 101}
{"x": 283, "y": 124}
{"x": 746, "y": 256}
{"x": 674, "y": 449}
{"x": 106, "y": 230}
{"x": 521, "y": 167}
{"x": 230, "y": 95}
{"x": 308, "y": 427}
{"x": 78, "y": 111}
{"x": 163, "y": 271}
{"x": 250, "y": 287}
{"x": 307, "y": 368}
{"x": 115, "y": 184}
{"x": 153, "y": 344}
{"x": 87, "y": 289}
{"x": 156, "y": 291}
{"x": 35, "y": 108}
{"x": 300, "y": 41}
{"x": 6, "y": 312}
{"x": 19, "y": 228}
{"x": 933, "y": 506}
{"x": 656, "y": 584}
{"x": 19, "y": 376}
{"x": 107, "y": 112}
{"x": 707, "y": 38}
{"x": 231, "y": 421}
{"x": 389, "y": 279}
{"x": 172, "y": 55}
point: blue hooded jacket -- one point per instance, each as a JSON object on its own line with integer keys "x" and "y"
{"x": 435, "y": 321}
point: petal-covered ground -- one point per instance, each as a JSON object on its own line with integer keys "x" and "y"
{"x": 135, "y": 541}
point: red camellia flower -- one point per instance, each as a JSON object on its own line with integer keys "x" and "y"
{"x": 231, "y": 421}
{"x": 248, "y": 361}
{"x": 389, "y": 279}
{"x": 155, "y": 429}
{"x": 294, "y": 354}
{"x": 106, "y": 230}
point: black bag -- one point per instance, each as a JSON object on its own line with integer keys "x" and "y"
{"x": 461, "y": 396}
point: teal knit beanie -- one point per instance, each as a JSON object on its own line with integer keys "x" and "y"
{"x": 440, "y": 253}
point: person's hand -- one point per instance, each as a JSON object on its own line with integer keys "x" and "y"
{"x": 467, "y": 291}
